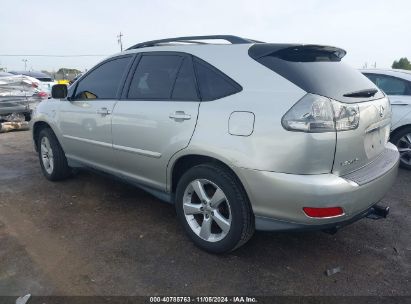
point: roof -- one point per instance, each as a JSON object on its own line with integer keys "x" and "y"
{"x": 194, "y": 40}
{"x": 404, "y": 74}
{"x": 4, "y": 74}
{"x": 33, "y": 74}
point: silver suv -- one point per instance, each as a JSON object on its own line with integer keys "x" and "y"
{"x": 239, "y": 136}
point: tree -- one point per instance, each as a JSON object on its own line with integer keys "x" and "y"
{"x": 403, "y": 63}
{"x": 68, "y": 71}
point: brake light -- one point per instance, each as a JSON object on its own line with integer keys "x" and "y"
{"x": 316, "y": 114}
{"x": 323, "y": 212}
{"x": 43, "y": 95}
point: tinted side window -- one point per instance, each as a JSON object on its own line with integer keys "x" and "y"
{"x": 370, "y": 77}
{"x": 104, "y": 81}
{"x": 212, "y": 83}
{"x": 390, "y": 85}
{"x": 185, "y": 85}
{"x": 154, "y": 77}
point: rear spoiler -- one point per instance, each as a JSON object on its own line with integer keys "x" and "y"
{"x": 296, "y": 52}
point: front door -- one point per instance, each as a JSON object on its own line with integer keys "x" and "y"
{"x": 85, "y": 118}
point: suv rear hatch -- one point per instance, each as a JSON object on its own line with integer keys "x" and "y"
{"x": 318, "y": 70}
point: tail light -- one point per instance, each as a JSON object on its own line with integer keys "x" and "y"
{"x": 42, "y": 95}
{"x": 316, "y": 114}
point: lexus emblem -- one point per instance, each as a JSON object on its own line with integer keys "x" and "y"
{"x": 381, "y": 111}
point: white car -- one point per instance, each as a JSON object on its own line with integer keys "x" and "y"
{"x": 397, "y": 85}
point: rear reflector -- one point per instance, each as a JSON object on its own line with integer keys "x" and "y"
{"x": 323, "y": 212}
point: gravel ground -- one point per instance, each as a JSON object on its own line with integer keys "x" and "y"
{"x": 91, "y": 235}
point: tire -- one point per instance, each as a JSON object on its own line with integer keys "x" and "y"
{"x": 402, "y": 139}
{"x": 226, "y": 220}
{"x": 53, "y": 161}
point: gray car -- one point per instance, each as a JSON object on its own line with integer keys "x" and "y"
{"x": 239, "y": 136}
{"x": 18, "y": 96}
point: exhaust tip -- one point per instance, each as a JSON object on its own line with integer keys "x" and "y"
{"x": 378, "y": 212}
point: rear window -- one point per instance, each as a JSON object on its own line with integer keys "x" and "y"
{"x": 314, "y": 69}
{"x": 45, "y": 79}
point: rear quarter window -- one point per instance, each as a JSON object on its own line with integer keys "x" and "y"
{"x": 213, "y": 84}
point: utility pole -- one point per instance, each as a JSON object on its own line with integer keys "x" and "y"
{"x": 25, "y": 63}
{"x": 119, "y": 40}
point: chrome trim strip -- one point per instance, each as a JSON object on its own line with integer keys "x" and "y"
{"x": 90, "y": 141}
{"x": 138, "y": 151}
{"x": 117, "y": 147}
{"x": 378, "y": 125}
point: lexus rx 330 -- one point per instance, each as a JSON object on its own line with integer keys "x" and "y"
{"x": 239, "y": 136}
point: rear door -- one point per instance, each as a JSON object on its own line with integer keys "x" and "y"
{"x": 85, "y": 117}
{"x": 155, "y": 117}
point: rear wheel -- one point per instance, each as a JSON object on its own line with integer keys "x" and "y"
{"x": 53, "y": 161}
{"x": 402, "y": 139}
{"x": 214, "y": 209}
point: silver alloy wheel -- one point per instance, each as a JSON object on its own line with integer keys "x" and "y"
{"x": 404, "y": 147}
{"x": 47, "y": 155}
{"x": 207, "y": 210}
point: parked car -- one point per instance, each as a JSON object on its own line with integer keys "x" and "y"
{"x": 19, "y": 94}
{"x": 397, "y": 85}
{"x": 46, "y": 81}
{"x": 5, "y": 74}
{"x": 239, "y": 136}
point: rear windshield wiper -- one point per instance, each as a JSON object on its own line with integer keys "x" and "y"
{"x": 362, "y": 93}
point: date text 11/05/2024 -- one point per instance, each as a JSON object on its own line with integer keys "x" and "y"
{"x": 203, "y": 299}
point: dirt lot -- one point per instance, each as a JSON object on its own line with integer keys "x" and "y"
{"x": 91, "y": 235}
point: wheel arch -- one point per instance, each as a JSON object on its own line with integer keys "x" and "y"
{"x": 37, "y": 127}
{"x": 187, "y": 161}
{"x": 399, "y": 129}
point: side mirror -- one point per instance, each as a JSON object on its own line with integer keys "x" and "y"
{"x": 59, "y": 91}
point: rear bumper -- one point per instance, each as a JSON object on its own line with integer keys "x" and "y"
{"x": 277, "y": 199}
{"x": 267, "y": 224}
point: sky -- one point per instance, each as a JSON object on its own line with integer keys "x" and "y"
{"x": 371, "y": 31}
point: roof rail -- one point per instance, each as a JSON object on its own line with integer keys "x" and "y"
{"x": 190, "y": 39}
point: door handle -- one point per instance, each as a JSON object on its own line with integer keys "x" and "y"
{"x": 179, "y": 116}
{"x": 103, "y": 111}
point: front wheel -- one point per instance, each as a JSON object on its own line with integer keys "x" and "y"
{"x": 214, "y": 209}
{"x": 402, "y": 139}
{"x": 53, "y": 161}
